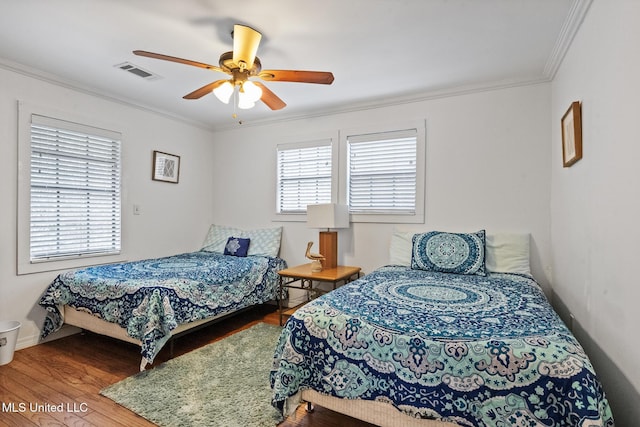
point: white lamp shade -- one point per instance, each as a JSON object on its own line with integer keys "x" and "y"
{"x": 224, "y": 92}
{"x": 252, "y": 91}
{"x": 248, "y": 94}
{"x": 328, "y": 215}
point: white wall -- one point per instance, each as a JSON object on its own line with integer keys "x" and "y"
{"x": 487, "y": 167}
{"x": 595, "y": 205}
{"x": 174, "y": 218}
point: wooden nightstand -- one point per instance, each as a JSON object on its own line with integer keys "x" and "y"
{"x": 305, "y": 277}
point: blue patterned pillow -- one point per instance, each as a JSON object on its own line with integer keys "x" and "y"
{"x": 237, "y": 246}
{"x": 459, "y": 253}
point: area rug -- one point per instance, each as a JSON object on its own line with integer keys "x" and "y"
{"x": 225, "y": 383}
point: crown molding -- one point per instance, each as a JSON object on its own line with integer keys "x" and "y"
{"x": 310, "y": 114}
{"x": 569, "y": 29}
{"x": 389, "y": 102}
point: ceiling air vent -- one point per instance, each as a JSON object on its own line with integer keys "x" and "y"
{"x": 134, "y": 69}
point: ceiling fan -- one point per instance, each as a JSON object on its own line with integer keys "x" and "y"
{"x": 242, "y": 64}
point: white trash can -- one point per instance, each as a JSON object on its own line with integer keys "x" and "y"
{"x": 8, "y": 337}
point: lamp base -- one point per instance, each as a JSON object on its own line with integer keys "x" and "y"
{"x": 329, "y": 248}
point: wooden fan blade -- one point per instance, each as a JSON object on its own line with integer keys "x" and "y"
{"x": 245, "y": 45}
{"x": 179, "y": 60}
{"x": 204, "y": 90}
{"x": 320, "y": 77}
{"x": 270, "y": 99}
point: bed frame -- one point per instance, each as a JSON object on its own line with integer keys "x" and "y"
{"x": 378, "y": 413}
{"x": 89, "y": 322}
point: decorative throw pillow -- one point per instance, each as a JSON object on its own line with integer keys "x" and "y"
{"x": 237, "y": 246}
{"x": 459, "y": 253}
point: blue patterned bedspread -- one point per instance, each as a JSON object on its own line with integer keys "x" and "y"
{"x": 473, "y": 350}
{"x": 149, "y": 298}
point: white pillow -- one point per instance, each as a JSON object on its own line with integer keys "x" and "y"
{"x": 505, "y": 252}
{"x": 264, "y": 241}
{"x": 400, "y": 248}
{"x": 508, "y": 253}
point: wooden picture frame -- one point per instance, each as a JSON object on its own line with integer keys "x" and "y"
{"x": 572, "y": 135}
{"x": 165, "y": 167}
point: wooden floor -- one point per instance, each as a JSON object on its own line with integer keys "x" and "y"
{"x": 58, "y": 383}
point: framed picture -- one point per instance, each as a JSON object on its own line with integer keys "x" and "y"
{"x": 166, "y": 167}
{"x": 572, "y": 135}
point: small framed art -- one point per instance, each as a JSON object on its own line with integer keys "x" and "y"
{"x": 166, "y": 167}
{"x": 572, "y": 135}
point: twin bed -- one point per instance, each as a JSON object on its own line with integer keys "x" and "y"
{"x": 437, "y": 340}
{"x": 147, "y": 302}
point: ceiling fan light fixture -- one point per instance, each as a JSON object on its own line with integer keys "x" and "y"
{"x": 240, "y": 64}
{"x": 251, "y": 91}
{"x": 224, "y": 92}
{"x": 248, "y": 94}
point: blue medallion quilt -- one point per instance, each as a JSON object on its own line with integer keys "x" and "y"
{"x": 473, "y": 350}
{"x": 149, "y": 298}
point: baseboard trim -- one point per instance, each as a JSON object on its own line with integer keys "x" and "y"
{"x": 31, "y": 340}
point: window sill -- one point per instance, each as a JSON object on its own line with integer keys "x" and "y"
{"x": 84, "y": 261}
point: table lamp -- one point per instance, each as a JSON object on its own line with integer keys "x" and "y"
{"x": 328, "y": 215}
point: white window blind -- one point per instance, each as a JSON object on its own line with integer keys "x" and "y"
{"x": 382, "y": 172}
{"x": 304, "y": 176}
{"x": 74, "y": 190}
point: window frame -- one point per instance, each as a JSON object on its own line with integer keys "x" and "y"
{"x": 24, "y": 263}
{"x": 375, "y": 217}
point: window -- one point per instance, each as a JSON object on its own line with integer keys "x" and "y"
{"x": 75, "y": 191}
{"x": 378, "y": 171}
{"x": 384, "y": 174}
{"x": 72, "y": 194}
{"x": 304, "y": 175}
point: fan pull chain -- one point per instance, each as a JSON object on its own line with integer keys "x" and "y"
{"x": 235, "y": 106}
{"x": 235, "y": 102}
